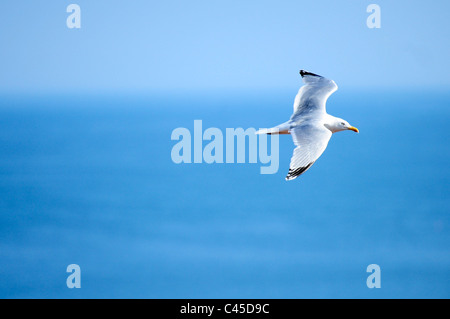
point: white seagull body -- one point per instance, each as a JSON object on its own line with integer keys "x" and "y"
{"x": 310, "y": 125}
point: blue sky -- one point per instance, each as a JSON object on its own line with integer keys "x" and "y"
{"x": 146, "y": 46}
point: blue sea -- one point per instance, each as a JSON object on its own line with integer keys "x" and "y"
{"x": 89, "y": 180}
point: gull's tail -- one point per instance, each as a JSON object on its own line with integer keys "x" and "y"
{"x": 279, "y": 129}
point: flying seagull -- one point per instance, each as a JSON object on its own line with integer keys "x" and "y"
{"x": 310, "y": 125}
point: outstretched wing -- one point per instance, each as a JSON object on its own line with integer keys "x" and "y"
{"x": 313, "y": 96}
{"x": 311, "y": 141}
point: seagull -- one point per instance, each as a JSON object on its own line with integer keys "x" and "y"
{"x": 310, "y": 126}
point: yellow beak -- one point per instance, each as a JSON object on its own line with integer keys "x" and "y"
{"x": 354, "y": 129}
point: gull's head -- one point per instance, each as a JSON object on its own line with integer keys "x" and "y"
{"x": 338, "y": 125}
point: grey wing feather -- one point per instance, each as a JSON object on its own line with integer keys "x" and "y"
{"x": 311, "y": 142}
{"x": 312, "y": 97}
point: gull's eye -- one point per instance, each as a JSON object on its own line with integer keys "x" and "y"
{"x": 342, "y": 123}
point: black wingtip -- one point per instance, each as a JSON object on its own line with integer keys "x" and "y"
{"x": 294, "y": 173}
{"x": 303, "y": 73}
